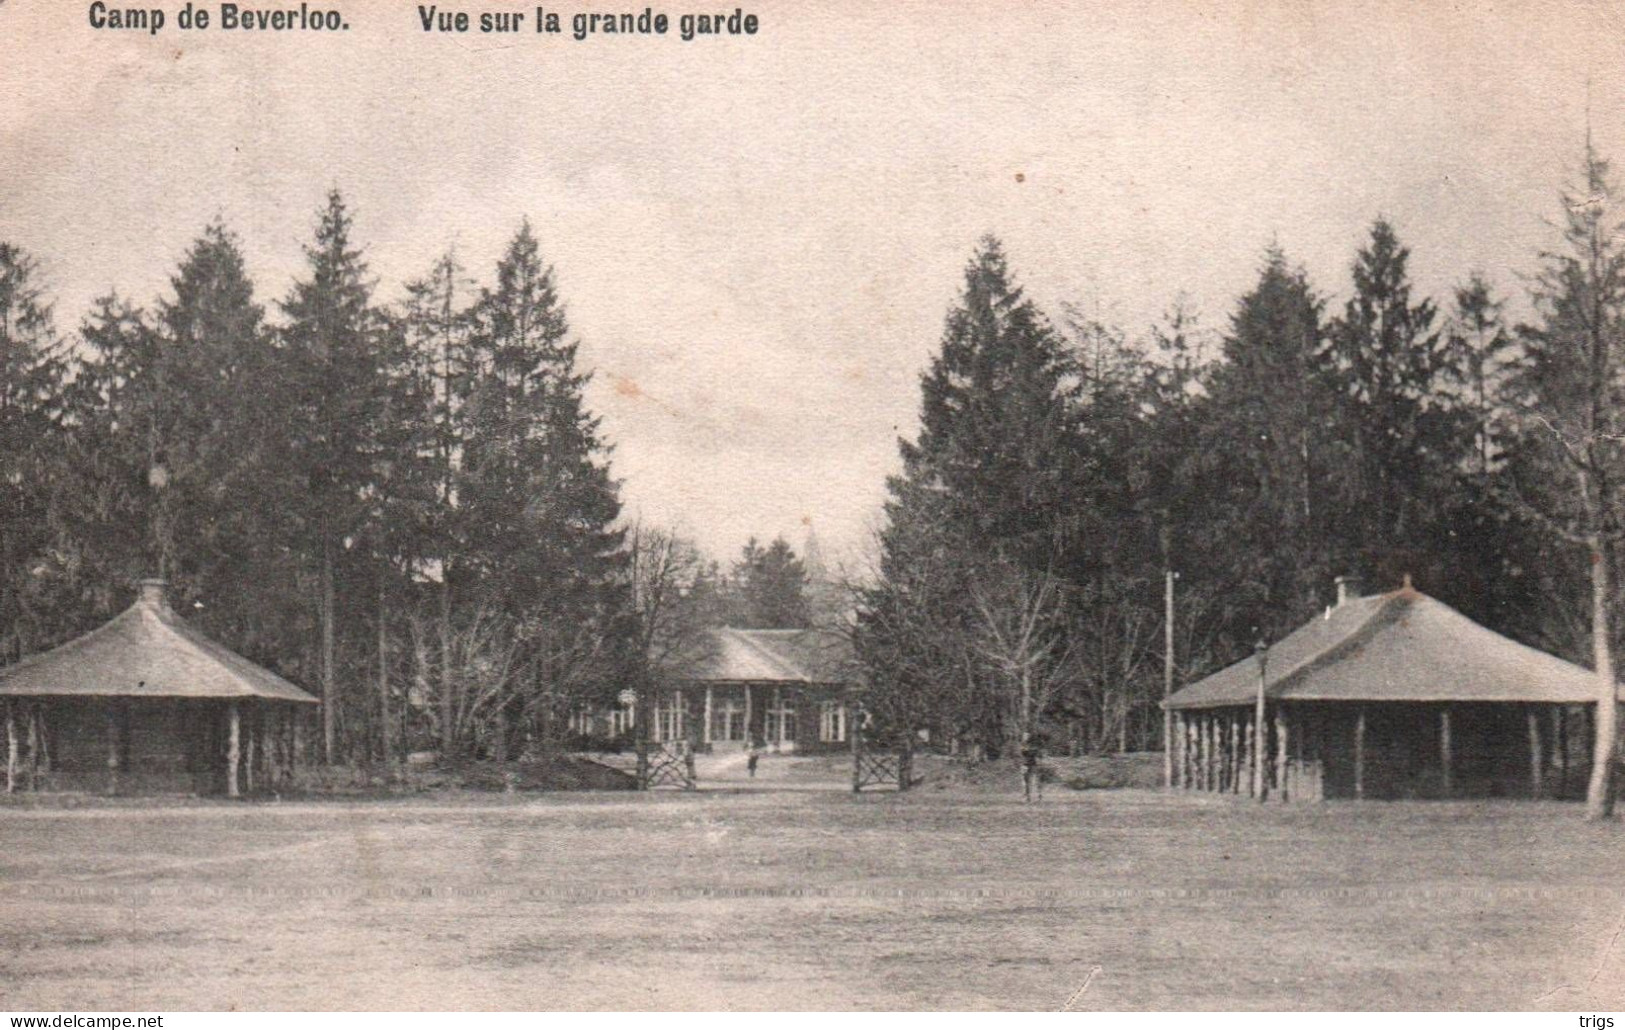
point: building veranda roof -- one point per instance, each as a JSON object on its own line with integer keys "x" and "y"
{"x": 147, "y": 651}
{"x": 1398, "y": 646}
{"x": 799, "y": 656}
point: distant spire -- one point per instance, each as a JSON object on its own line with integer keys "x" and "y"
{"x": 812, "y": 555}
{"x": 1588, "y": 118}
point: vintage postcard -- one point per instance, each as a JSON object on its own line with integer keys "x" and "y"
{"x": 805, "y": 506}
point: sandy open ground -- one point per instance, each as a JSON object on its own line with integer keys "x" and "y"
{"x": 810, "y": 899}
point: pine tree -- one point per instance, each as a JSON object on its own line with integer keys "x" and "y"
{"x": 536, "y": 492}
{"x": 32, "y": 378}
{"x": 336, "y": 345}
{"x": 1266, "y": 429}
{"x": 1494, "y": 551}
{"x": 1385, "y": 366}
{"x": 536, "y": 470}
{"x": 118, "y": 416}
{"x": 438, "y": 322}
{"x": 772, "y": 586}
{"x": 1478, "y": 357}
{"x": 216, "y": 462}
{"x": 988, "y": 478}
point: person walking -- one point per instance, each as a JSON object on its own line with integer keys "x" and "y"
{"x": 1032, "y": 781}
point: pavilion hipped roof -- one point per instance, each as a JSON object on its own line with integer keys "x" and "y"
{"x": 145, "y": 651}
{"x": 1398, "y": 646}
{"x": 772, "y": 656}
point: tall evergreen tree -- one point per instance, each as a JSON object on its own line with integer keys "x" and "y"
{"x": 1479, "y": 355}
{"x": 118, "y": 419}
{"x": 989, "y": 477}
{"x": 32, "y": 377}
{"x": 1398, "y": 457}
{"x": 772, "y": 584}
{"x": 336, "y": 346}
{"x": 438, "y": 322}
{"x": 536, "y": 471}
{"x": 535, "y": 487}
{"x": 1267, "y": 427}
{"x": 178, "y": 447}
{"x": 1496, "y": 553}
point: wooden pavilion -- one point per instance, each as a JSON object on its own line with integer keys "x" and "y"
{"x": 785, "y": 689}
{"x": 146, "y": 703}
{"x": 1390, "y": 696}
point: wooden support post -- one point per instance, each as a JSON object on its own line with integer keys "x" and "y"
{"x": 271, "y": 745}
{"x": 1260, "y": 720}
{"x": 1232, "y": 756}
{"x": 706, "y": 729}
{"x": 1560, "y": 740}
{"x": 1359, "y": 754}
{"x": 290, "y": 757}
{"x": 36, "y": 733}
{"x": 1193, "y": 735}
{"x": 1446, "y": 755}
{"x": 1280, "y": 752}
{"x": 1537, "y": 759}
{"x": 1187, "y": 772}
{"x": 298, "y": 740}
{"x": 250, "y": 749}
{"x": 778, "y": 719}
{"x": 1214, "y": 757}
{"x": 1250, "y": 741}
{"x": 1170, "y": 767}
{"x": 857, "y": 751}
{"x": 11, "y": 746}
{"x": 1216, "y": 728}
{"x": 1201, "y": 751}
{"x": 1299, "y": 775}
{"x": 1238, "y": 765}
{"x": 1180, "y": 779}
{"x": 233, "y": 749}
{"x": 1187, "y": 750}
{"x": 44, "y": 740}
{"x": 112, "y": 745}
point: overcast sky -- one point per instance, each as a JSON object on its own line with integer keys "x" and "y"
{"x": 758, "y": 237}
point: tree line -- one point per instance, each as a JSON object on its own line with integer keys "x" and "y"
{"x": 410, "y": 507}
{"x": 1063, "y": 468}
{"x": 407, "y": 507}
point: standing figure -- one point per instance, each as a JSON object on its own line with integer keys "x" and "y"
{"x": 1031, "y": 781}
{"x": 753, "y": 756}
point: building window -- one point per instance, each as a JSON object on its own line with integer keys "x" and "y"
{"x": 728, "y": 719}
{"x": 621, "y": 720}
{"x": 781, "y": 724}
{"x": 669, "y": 718}
{"x": 832, "y": 722}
